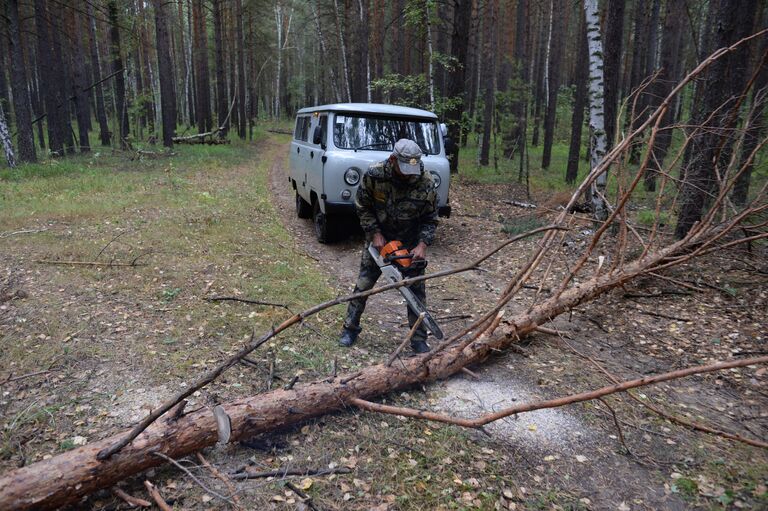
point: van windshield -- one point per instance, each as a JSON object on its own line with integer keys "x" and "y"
{"x": 365, "y": 131}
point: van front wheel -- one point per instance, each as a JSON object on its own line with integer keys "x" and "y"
{"x": 303, "y": 208}
{"x": 322, "y": 225}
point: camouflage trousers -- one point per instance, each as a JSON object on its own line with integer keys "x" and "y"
{"x": 369, "y": 274}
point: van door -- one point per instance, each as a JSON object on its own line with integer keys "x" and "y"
{"x": 300, "y": 155}
{"x": 315, "y": 152}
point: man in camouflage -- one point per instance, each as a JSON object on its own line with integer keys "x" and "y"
{"x": 395, "y": 201}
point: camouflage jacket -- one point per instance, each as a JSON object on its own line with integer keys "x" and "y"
{"x": 398, "y": 210}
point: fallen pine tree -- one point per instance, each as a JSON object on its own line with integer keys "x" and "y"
{"x": 604, "y": 264}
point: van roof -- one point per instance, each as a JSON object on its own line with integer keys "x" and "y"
{"x": 370, "y": 108}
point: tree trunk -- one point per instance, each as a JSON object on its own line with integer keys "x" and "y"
{"x": 456, "y": 86}
{"x": 80, "y": 82}
{"x": 342, "y": 49}
{"x": 725, "y": 80}
{"x": 165, "y": 71}
{"x": 598, "y": 143}
{"x": 559, "y": 27}
{"x": 202, "y": 77}
{"x": 101, "y": 114}
{"x": 668, "y": 74}
{"x": 614, "y": 40}
{"x": 221, "y": 72}
{"x": 579, "y": 104}
{"x": 489, "y": 75}
{"x": 121, "y": 102}
{"x": 755, "y": 130}
{"x": 48, "y": 79}
{"x": 540, "y": 69}
{"x": 240, "y": 42}
{"x": 21, "y": 101}
{"x": 5, "y": 139}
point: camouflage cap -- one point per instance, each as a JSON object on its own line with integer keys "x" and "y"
{"x": 408, "y": 154}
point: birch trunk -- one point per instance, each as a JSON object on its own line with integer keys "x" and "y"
{"x": 431, "y": 72}
{"x": 598, "y": 142}
{"x": 334, "y": 78}
{"x": 5, "y": 139}
{"x": 343, "y": 47}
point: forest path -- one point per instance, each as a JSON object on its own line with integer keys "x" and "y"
{"x": 563, "y": 449}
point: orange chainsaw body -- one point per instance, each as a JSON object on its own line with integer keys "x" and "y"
{"x": 394, "y": 251}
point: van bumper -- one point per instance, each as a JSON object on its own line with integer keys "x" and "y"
{"x": 339, "y": 208}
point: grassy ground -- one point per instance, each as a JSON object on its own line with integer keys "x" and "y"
{"x": 121, "y": 339}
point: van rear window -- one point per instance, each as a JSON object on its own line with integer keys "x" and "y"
{"x": 379, "y": 133}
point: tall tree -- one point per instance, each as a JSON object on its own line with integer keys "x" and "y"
{"x": 101, "y": 113}
{"x": 709, "y": 154}
{"x": 80, "y": 79}
{"x": 165, "y": 71}
{"x": 489, "y": 75}
{"x": 240, "y": 68}
{"x": 5, "y": 139}
{"x": 579, "y": 103}
{"x": 614, "y": 40}
{"x": 670, "y": 67}
{"x": 456, "y": 86}
{"x": 559, "y": 25}
{"x": 598, "y": 142}
{"x": 21, "y": 101}
{"x": 121, "y": 102}
{"x": 50, "y": 84}
{"x": 202, "y": 75}
{"x": 221, "y": 80}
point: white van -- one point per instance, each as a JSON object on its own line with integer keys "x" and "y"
{"x": 333, "y": 145}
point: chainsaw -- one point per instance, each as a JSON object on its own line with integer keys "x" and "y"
{"x": 393, "y": 255}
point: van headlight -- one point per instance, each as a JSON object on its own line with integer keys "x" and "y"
{"x": 437, "y": 179}
{"x": 352, "y": 176}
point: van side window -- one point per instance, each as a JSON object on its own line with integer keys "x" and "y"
{"x": 302, "y": 128}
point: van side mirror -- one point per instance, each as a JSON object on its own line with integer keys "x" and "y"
{"x": 317, "y": 136}
{"x": 443, "y": 129}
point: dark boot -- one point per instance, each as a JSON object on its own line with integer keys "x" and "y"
{"x": 420, "y": 346}
{"x": 348, "y": 337}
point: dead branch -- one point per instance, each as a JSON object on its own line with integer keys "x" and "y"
{"x": 22, "y": 231}
{"x": 245, "y": 300}
{"x": 407, "y": 339}
{"x": 281, "y": 132}
{"x": 88, "y": 263}
{"x": 192, "y": 476}
{"x": 131, "y": 500}
{"x": 554, "y": 403}
{"x": 155, "y": 494}
{"x": 239, "y": 476}
{"x": 12, "y": 378}
{"x": 678, "y": 420}
{"x": 227, "y": 482}
{"x": 306, "y": 499}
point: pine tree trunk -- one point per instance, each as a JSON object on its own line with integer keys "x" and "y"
{"x": 80, "y": 82}
{"x": 121, "y": 103}
{"x": 540, "y": 67}
{"x": 240, "y": 42}
{"x": 489, "y": 76}
{"x": 462, "y": 15}
{"x": 343, "y": 49}
{"x": 724, "y": 81}
{"x": 614, "y": 40}
{"x": 165, "y": 71}
{"x": 21, "y": 101}
{"x": 202, "y": 75}
{"x": 221, "y": 73}
{"x": 559, "y": 27}
{"x": 579, "y": 104}
{"x": 101, "y": 114}
{"x": 668, "y": 73}
{"x": 48, "y": 81}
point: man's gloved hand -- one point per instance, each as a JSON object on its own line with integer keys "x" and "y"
{"x": 419, "y": 251}
{"x": 378, "y": 241}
